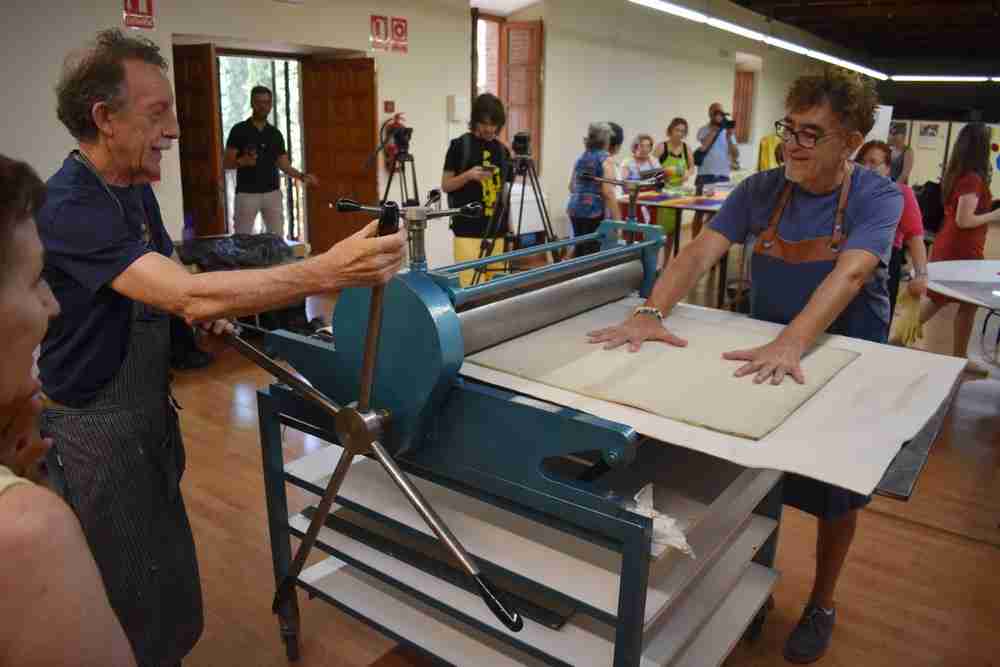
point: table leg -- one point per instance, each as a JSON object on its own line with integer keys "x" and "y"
{"x": 720, "y": 301}
{"x": 677, "y": 233}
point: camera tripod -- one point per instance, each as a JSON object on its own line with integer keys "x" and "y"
{"x": 398, "y": 165}
{"x": 523, "y": 166}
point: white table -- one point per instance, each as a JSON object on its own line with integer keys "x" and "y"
{"x": 975, "y": 281}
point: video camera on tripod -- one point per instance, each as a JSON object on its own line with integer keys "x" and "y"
{"x": 522, "y": 165}
{"x": 395, "y": 132}
{"x": 522, "y": 144}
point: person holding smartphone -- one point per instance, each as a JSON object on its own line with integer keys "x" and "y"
{"x": 474, "y": 171}
{"x": 256, "y": 150}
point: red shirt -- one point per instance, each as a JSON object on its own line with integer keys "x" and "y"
{"x": 911, "y": 223}
{"x": 953, "y": 242}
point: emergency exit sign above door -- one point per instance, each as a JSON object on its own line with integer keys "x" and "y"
{"x": 138, "y": 14}
{"x": 390, "y": 34}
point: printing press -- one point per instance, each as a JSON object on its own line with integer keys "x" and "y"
{"x": 541, "y": 497}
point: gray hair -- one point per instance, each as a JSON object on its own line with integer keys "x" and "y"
{"x": 598, "y": 136}
{"x": 98, "y": 75}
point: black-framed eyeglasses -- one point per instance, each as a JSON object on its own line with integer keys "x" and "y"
{"x": 804, "y": 138}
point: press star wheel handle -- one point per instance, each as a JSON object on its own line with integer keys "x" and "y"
{"x": 359, "y": 430}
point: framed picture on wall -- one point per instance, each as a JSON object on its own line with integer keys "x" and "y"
{"x": 928, "y": 135}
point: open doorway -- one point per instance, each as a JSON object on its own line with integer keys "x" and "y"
{"x": 323, "y": 103}
{"x": 282, "y": 75}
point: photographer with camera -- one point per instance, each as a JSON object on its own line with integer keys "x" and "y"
{"x": 716, "y": 154}
{"x": 474, "y": 171}
{"x": 256, "y": 150}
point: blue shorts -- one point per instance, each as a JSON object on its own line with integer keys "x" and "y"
{"x": 822, "y": 500}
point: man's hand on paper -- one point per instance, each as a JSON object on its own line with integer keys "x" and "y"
{"x": 773, "y": 361}
{"x": 635, "y": 331}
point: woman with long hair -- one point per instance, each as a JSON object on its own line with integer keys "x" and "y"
{"x": 967, "y": 201}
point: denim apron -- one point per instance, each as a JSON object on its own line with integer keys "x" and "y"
{"x": 785, "y": 274}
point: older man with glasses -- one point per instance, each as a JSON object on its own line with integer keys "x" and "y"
{"x": 824, "y": 231}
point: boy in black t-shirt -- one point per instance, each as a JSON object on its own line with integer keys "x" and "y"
{"x": 474, "y": 170}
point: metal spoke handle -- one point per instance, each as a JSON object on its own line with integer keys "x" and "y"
{"x": 471, "y": 210}
{"x": 299, "y": 384}
{"x": 345, "y": 205}
{"x": 651, "y": 179}
{"x": 507, "y": 615}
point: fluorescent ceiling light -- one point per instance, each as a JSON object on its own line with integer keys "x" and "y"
{"x": 698, "y": 17}
{"x": 671, "y": 8}
{"x": 787, "y": 46}
{"x": 846, "y": 64}
{"x": 907, "y": 78}
{"x": 736, "y": 29}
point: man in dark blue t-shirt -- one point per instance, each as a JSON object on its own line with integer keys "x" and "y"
{"x": 820, "y": 233}
{"x": 105, "y": 361}
{"x": 256, "y": 150}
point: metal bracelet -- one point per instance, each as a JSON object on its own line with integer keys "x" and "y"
{"x": 648, "y": 310}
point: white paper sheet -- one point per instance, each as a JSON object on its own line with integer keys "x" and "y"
{"x": 710, "y": 395}
{"x": 847, "y": 434}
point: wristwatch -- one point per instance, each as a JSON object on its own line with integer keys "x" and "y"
{"x": 648, "y": 310}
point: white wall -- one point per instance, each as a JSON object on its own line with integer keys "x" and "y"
{"x": 611, "y": 60}
{"x": 36, "y": 39}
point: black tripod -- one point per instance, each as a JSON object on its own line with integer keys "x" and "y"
{"x": 398, "y": 165}
{"x": 523, "y": 166}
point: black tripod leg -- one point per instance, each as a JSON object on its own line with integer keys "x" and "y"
{"x": 392, "y": 174}
{"x": 416, "y": 186}
{"x": 543, "y": 208}
{"x": 488, "y": 243}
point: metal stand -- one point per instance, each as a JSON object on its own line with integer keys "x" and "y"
{"x": 358, "y": 429}
{"x": 632, "y": 188}
{"x": 399, "y": 162}
{"x": 524, "y": 166}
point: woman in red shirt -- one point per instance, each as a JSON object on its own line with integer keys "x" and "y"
{"x": 967, "y": 203}
{"x": 877, "y": 156}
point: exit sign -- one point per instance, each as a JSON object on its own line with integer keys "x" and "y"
{"x": 138, "y": 14}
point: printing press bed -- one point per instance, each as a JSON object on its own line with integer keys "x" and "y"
{"x": 539, "y": 493}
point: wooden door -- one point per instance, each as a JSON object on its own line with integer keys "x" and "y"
{"x": 339, "y": 122}
{"x": 521, "y": 80}
{"x": 196, "y": 81}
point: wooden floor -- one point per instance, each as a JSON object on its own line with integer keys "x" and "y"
{"x": 921, "y": 587}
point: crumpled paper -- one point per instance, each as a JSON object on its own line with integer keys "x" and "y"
{"x": 667, "y": 532}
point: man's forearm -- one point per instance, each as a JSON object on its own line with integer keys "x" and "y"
{"x": 685, "y": 270}
{"x": 710, "y": 137}
{"x": 210, "y": 296}
{"x": 158, "y": 281}
{"x": 292, "y": 171}
{"x": 452, "y": 183}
